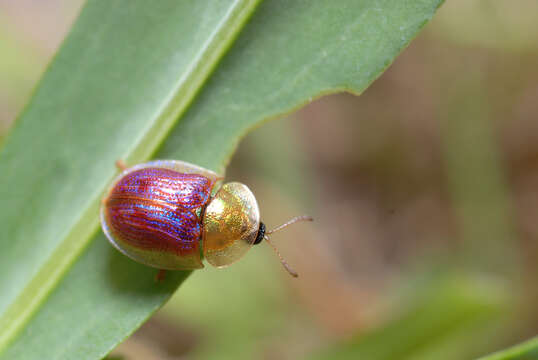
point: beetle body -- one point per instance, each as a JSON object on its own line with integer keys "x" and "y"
{"x": 167, "y": 213}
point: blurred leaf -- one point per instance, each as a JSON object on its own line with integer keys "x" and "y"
{"x": 18, "y": 65}
{"x": 525, "y": 351}
{"x": 476, "y": 178}
{"x": 451, "y": 307}
{"x": 125, "y": 74}
{"x": 495, "y": 24}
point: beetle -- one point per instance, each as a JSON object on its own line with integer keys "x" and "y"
{"x": 170, "y": 214}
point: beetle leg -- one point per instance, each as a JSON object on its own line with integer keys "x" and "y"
{"x": 160, "y": 275}
{"x": 120, "y": 164}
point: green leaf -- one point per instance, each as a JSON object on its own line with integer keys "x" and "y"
{"x": 126, "y": 73}
{"x": 525, "y": 351}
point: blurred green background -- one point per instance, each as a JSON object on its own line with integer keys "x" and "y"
{"x": 424, "y": 190}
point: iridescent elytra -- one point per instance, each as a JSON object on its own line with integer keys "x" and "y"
{"x": 169, "y": 214}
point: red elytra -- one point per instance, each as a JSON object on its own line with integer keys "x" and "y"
{"x": 155, "y": 209}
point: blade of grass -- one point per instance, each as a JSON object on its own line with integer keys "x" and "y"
{"x": 120, "y": 81}
{"x": 525, "y": 351}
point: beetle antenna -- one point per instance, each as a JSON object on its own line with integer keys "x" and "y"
{"x": 291, "y": 221}
{"x": 284, "y": 263}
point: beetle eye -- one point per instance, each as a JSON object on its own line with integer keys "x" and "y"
{"x": 261, "y": 234}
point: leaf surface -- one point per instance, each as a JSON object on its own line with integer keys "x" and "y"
{"x": 525, "y": 351}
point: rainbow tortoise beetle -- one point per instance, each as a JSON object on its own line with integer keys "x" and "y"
{"x": 169, "y": 214}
